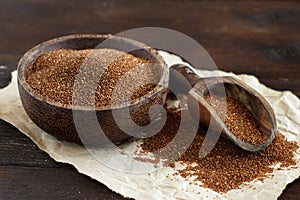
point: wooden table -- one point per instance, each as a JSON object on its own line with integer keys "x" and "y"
{"x": 258, "y": 38}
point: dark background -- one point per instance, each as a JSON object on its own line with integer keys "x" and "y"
{"x": 259, "y": 38}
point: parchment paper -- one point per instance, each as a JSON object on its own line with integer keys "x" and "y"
{"x": 156, "y": 184}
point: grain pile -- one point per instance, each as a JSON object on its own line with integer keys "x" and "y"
{"x": 227, "y": 166}
{"x": 54, "y": 73}
{"x": 238, "y": 119}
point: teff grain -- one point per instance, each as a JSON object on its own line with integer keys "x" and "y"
{"x": 54, "y": 73}
{"x": 227, "y": 166}
{"x": 238, "y": 119}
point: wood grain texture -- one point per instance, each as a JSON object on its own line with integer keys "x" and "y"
{"x": 259, "y": 38}
{"x": 66, "y": 184}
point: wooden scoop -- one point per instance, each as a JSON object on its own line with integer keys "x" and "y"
{"x": 200, "y": 87}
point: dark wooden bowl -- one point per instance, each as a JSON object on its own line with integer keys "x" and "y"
{"x": 57, "y": 119}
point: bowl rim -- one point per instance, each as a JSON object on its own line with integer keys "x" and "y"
{"x": 27, "y": 57}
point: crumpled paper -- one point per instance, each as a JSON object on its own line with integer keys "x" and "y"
{"x": 156, "y": 184}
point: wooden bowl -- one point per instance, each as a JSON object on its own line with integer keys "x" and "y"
{"x": 57, "y": 119}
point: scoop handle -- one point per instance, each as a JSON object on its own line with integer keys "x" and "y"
{"x": 181, "y": 74}
{"x": 179, "y": 71}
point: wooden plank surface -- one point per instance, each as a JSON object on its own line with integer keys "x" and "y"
{"x": 259, "y": 38}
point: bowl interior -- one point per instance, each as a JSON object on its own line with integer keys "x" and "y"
{"x": 79, "y": 42}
